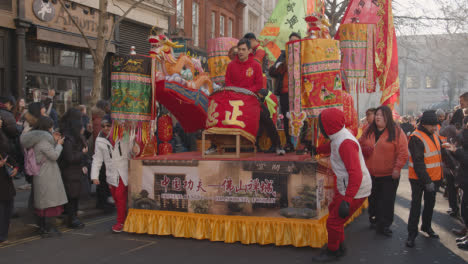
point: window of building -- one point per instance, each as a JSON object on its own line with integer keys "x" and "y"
{"x": 180, "y": 14}
{"x": 68, "y": 58}
{"x": 429, "y": 82}
{"x": 37, "y": 86}
{"x": 253, "y": 22}
{"x": 68, "y": 93}
{"x": 230, "y": 28}
{"x": 412, "y": 82}
{"x": 6, "y": 5}
{"x": 221, "y": 26}
{"x": 195, "y": 23}
{"x": 38, "y": 53}
{"x": 213, "y": 24}
{"x": 88, "y": 61}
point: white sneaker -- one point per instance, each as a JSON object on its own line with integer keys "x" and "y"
{"x": 110, "y": 200}
{"x": 280, "y": 152}
{"x": 211, "y": 151}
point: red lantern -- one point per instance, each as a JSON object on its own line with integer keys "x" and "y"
{"x": 165, "y": 128}
{"x": 164, "y": 148}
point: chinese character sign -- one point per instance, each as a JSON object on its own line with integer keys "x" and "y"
{"x": 233, "y": 112}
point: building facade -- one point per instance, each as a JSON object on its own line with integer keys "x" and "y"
{"x": 42, "y": 49}
{"x": 256, "y": 14}
{"x": 197, "y": 21}
{"x": 432, "y": 70}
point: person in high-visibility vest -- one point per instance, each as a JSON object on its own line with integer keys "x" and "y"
{"x": 425, "y": 174}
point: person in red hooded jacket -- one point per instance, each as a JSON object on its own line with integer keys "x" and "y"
{"x": 245, "y": 72}
{"x": 352, "y": 183}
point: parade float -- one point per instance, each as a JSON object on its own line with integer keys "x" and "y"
{"x": 253, "y": 198}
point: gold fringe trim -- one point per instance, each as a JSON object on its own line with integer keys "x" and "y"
{"x": 231, "y": 229}
{"x": 231, "y": 131}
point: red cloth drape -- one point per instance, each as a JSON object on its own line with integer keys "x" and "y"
{"x": 379, "y": 12}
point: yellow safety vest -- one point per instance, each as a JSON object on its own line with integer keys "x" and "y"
{"x": 432, "y": 157}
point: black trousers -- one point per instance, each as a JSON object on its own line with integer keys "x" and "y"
{"x": 71, "y": 208}
{"x": 464, "y": 205}
{"x": 417, "y": 191}
{"x": 451, "y": 189}
{"x": 6, "y": 210}
{"x": 382, "y": 200}
{"x": 102, "y": 190}
{"x": 267, "y": 124}
{"x": 284, "y": 105}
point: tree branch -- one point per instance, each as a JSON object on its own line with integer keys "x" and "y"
{"x": 120, "y": 20}
{"x": 79, "y": 28}
{"x": 425, "y": 18}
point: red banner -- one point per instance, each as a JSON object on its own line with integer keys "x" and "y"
{"x": 232, "y": 112}
{"x": 379, "y": 12}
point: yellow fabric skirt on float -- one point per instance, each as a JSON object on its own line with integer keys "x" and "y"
{"x": 231, "y": 229}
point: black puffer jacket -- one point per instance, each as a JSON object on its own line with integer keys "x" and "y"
{"x": 71, "y": 163}
{"x": 7, "y": 188}
{"x": 462, "y": 156}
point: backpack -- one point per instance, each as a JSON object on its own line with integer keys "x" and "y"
{"x": 30, "y": 163}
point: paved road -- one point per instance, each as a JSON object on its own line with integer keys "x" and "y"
{"x": 96, "y": 244}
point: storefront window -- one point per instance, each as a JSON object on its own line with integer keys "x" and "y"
{"x": 67, "y": 94}
{"x": 88, "y": 61}
{"x": 38, "y": 53}
{"x": 37, "y": 86}
{"x": 87, "y": 87}
{"x": 68, "y": 58}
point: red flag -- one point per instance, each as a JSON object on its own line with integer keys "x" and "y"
{"x": 379, "y": 12}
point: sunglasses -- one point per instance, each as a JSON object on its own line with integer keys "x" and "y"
{"x": 103, "y": 126}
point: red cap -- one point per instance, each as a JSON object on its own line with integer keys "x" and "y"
{"x": 333, "y": 120}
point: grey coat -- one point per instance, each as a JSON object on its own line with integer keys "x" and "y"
{"x": 48, "y": 185}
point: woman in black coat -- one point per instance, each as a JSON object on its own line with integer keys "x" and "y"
{"x": 7, "y": 189}
{"x": 73, "y": 163}
{"x": 461, "y": 154}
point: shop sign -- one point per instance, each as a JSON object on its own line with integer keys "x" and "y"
{"x": 54, "y": 16}
{"x": 44, "y": 10}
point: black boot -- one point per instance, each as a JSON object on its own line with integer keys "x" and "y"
{"x": 410, "y": 242}
{"x": 74, "y": 222}
{"x": 43, "y": 228}
{"x": 53, "y": 230}
{"x": 327, "y": 256}
{"x": 342, "y": 249}
{"x": 430, "y": 232}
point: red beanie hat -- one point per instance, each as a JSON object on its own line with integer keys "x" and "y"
{"x": 333, "y": 120}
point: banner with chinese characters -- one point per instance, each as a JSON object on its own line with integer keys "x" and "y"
{"x": 131, "y": 88}
{"x": 287, "y": 17}
{"x": 291, "y": 189}
{"x": 316, "y": 80}
{"x": 218, "y": 60}
{"x": 234, "y": 110}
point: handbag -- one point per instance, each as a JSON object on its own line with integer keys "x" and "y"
{"x": 9, "y": 169}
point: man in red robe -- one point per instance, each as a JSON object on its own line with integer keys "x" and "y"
{"x": 245, "y": 72}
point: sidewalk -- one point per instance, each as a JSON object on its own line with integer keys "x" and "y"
{"x": 23, "y": 223}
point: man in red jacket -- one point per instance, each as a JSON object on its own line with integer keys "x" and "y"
{"x": 352, "y": 183}
{"x": 245, "y": 72}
